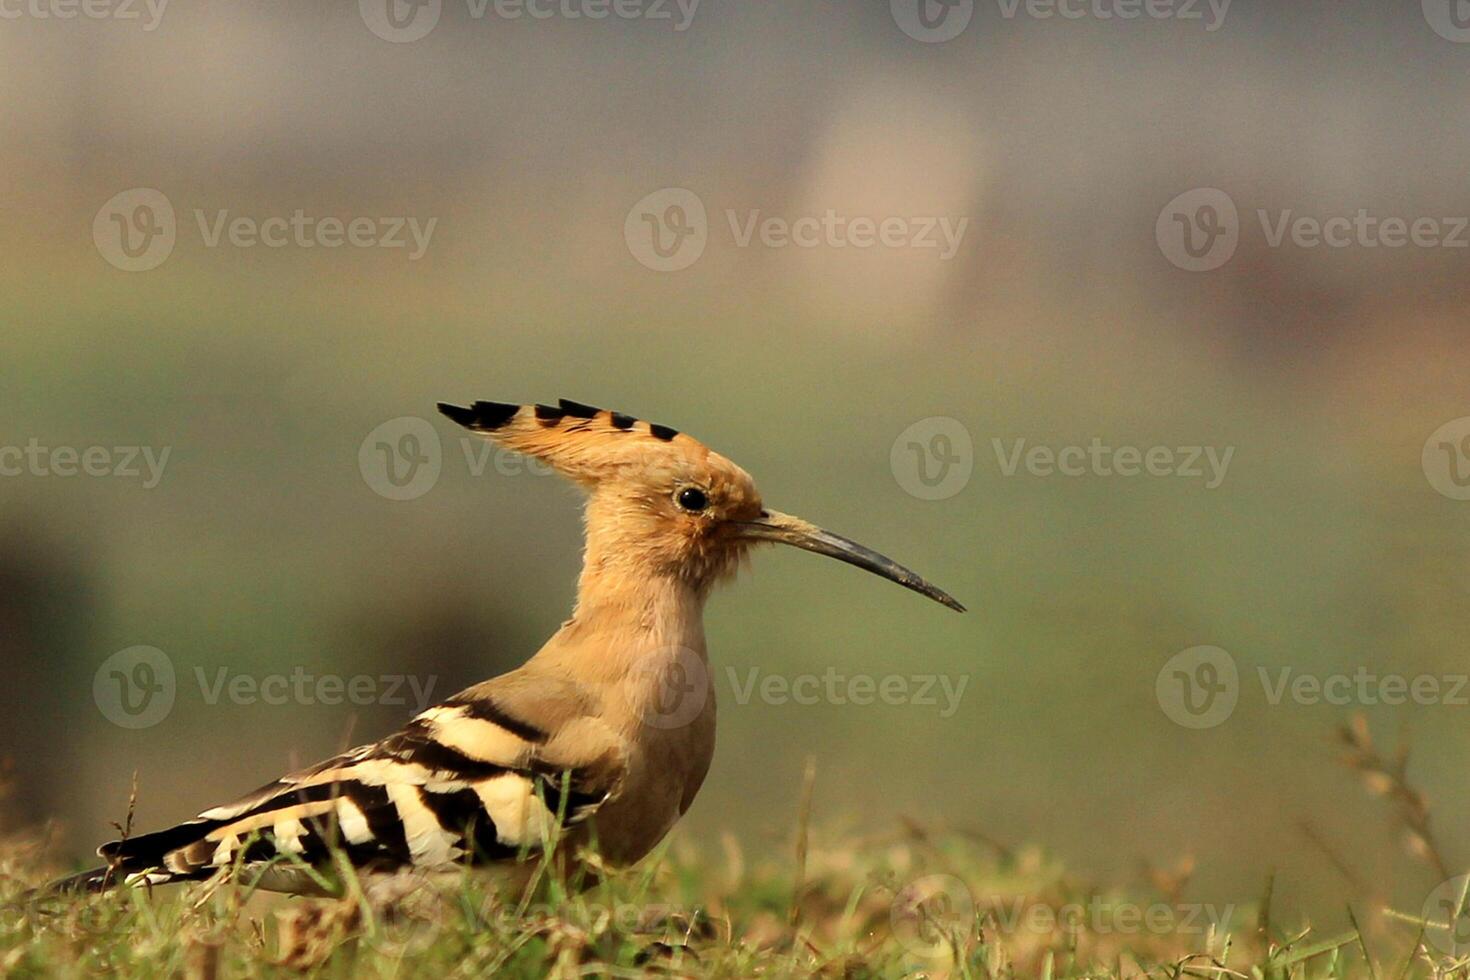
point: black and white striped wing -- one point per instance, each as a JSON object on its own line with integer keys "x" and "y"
{"x": 462, "y": 783}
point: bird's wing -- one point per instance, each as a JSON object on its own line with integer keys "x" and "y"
{"x": 479, "y": 778}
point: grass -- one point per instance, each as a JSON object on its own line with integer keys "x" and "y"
{"x": 919, "y": 901}
{"x": 916, "y": 902}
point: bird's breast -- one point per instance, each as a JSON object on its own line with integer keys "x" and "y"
{"x": 670, "y": 735}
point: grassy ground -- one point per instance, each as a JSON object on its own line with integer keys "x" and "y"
{"x": 917, "y": 902}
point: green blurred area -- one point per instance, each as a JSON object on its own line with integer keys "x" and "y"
{"x": 263, "y": 549}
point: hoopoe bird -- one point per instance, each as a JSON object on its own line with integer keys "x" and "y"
{"x": 578, "y": 741}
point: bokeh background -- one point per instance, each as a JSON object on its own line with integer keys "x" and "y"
{"x": 1062, "y": 316}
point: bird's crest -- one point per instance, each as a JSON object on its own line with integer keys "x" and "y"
{"x": 583, "y": 443}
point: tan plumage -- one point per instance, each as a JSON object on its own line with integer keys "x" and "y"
{"x": 581, "y": 733}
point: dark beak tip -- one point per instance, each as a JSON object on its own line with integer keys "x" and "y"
{"x": 945, "y": 599}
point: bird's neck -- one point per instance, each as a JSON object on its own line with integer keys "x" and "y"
{"x": 657, "y": 606}
{"x": 624, "y": 620}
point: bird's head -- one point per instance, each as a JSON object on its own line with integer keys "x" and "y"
{"x": 660, "y": 501}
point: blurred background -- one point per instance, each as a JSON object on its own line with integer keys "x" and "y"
{"x": 599, "y": 203}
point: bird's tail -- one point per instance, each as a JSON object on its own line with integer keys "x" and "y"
{"x": 83, "y": 882}
{"x": 99, "y": 880}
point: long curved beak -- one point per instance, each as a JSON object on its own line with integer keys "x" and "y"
{"x": 774, "y": 526}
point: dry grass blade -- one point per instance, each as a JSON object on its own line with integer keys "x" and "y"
{"x": 803, "y": 829}
{"x": 1387, "y": 777}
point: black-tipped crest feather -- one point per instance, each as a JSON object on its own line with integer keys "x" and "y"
{"x": 482, "y": 416}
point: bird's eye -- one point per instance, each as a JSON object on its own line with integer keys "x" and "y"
{"x": 693, "y": 499}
